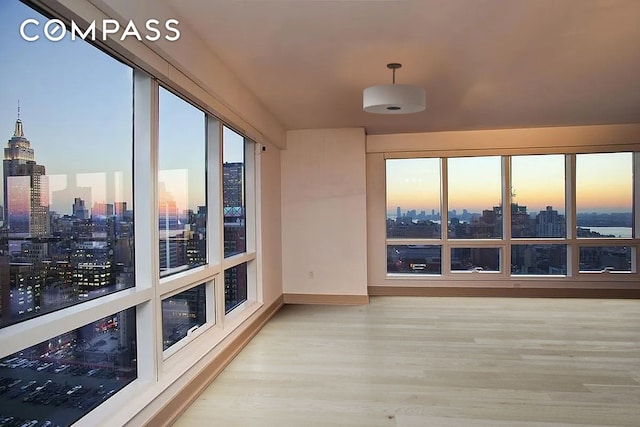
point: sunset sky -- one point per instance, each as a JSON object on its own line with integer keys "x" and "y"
{"x": 604, "y": 183}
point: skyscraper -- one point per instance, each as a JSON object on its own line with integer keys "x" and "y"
{"x": 79, "y": 209}
{"x": 26, "y": 214}
{"x": 234, "y": 208}
{"x": 26, "y": 188}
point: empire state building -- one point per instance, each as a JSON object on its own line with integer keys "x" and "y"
{"x": 26, "y": 189}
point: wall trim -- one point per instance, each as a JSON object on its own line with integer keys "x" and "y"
{"x": 459, "y": 291}
{"x": 170, "y": 412}
{"x": 326, "y": 299}
{"x": 572, "y": 139}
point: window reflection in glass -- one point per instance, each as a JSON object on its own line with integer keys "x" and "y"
{"x": 475, "y": 259}
{"x": 414, "y": 259}
{"x": 66, "y": 223}
{"x": 604, "y": 195}
{"x": 233, "y": 182}
{"x": 475, "y": 197}
{"x": 182, "y": 209}
{"x": 61, "y": 379}
{"x": 182, "y": 314}
{"x": 538, "y": 193}
{"x": 413, "y": 198}
{"x": 539, "y": 259}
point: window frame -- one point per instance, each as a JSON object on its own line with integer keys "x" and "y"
{"x": 249, "y": 256}
{"x": 573, "y": 277}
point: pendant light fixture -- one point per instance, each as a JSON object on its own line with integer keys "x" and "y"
{"x": 393, "y": 98}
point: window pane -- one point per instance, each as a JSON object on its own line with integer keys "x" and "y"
{"x": 67, "y": 222}
{"x": 604, "y": 194}
{"x": 475, "y": 197}
{"x": 234, "y": 210}
{"x": 182, "y": 313}
{"x": 181, "y": 185}
{"x": 62, "y": 379}
{"x": 475, "y": 259}
{"x": 417, "y": 259}
{"x": 235, "y": 286}
{"x": 413, "y": 198}
{"x": 601, "y": 258}
{"x": 538, "y": 192}
{"x": 539, "y": 259}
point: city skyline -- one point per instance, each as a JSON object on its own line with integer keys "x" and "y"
{"x": 85, "y": 113}
{"x": 393, "y": 213}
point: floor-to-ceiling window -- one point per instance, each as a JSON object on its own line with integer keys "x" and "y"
{"x": 128, "y": 227}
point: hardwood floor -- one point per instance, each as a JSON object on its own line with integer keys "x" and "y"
{"x": 414, "y": 361}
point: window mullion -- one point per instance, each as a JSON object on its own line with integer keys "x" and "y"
{"x": 214, "y": 191}
{"x": 445, "y": 266}
{"x": 145, "y": 205}
{"x": 219, "y": 288}
{"x": 573, "y": 257}
{"x": 636, "y": 196}
{"x": 507, "y": 201}
{"x": 250, "y": 193}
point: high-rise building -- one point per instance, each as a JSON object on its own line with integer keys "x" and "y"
{"x": 102, "y": 209}
{"x": 233, "y": 184}
{"x": 26, "y": 214}
{"x": 172, "y": 237}
{"x": 26, "y": 189}
{"x": 79, "y": 209}
{"x": 549, "y": 223}
{"x": 120, "y": 209}
{"x": 234, "y": 209}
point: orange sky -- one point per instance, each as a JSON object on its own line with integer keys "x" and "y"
{"x": 604, "y": 183}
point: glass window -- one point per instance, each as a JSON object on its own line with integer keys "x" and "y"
{"x": 66, "y": 234}
{"x": 475, "y": 197}
{"x": 539, "y": 259}
{"x": 235, "y": 286}
{"x": 414, "y": 259}
{"x": 475, "y": 259}
{"x": 183, "y": 313}
{"x": 605, "y": 258}
{"x": 181, "y": 185}
{"x": 61, "y": 379}
{"x": 604, "y": 195}
{"x": 413, "y": 198}
{"x": 233, "y": 182}
{"x": 538, "y": 193}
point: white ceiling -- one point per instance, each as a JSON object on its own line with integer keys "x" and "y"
{"x": 485, "y": 64}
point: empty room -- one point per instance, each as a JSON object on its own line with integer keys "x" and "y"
{"x": 391, "y": 213}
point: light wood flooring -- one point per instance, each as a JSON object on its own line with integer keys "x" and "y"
{"x": 412, "y": 361}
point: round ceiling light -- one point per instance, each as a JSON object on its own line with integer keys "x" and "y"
{"x": 393, "y": 98}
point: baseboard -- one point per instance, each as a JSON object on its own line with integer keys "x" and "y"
{"x": 326, "y": 299}
{"x": 503, "y": 292}
{"x": 189, "y": 393}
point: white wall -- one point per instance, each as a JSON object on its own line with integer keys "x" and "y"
{"x": 324, "y": 235}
